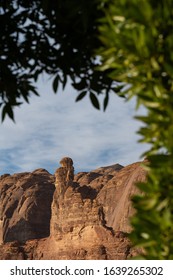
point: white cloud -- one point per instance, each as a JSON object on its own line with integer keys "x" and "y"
{"x": 53, "y": 126}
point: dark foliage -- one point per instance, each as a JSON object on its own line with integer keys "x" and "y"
{"x": 55, "y": 37}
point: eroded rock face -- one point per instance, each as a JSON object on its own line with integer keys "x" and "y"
{"x": 25, "y": 208}
{"x": 116, "y": 195}
{"x": 64, "y": 175}
{"x": 87, "y": 219}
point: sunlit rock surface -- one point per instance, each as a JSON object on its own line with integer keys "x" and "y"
{"x": 68, "y": 216}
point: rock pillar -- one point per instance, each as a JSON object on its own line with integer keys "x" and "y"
{"x": 64, "y": 175}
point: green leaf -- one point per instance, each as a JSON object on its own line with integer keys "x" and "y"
{"x": 34, "y": 91}
{"x": 106, "y": 100}
{"x": 94, "y": 101}
{"x": 119, "y": 88}
{"x": 81, "y": 96}
{"x": 3, "y": 113}
{"x": 64, "y": 82}
{"x": 25, "y": 96}
{"x": 7, "y": 110}
{"x": 10, "y": 112}
{"x": 55, "y": 83}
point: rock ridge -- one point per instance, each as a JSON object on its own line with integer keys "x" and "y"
{"x": 68, "y": 216}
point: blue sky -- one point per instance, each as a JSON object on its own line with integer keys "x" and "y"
{"x": 53, "y": 126}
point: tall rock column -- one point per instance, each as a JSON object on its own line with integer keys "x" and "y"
{"x": 78, "y": 226}
{"x": 63, "y": 179}
{"x": 64, "y": 175}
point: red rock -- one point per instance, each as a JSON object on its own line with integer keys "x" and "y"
{"x": 25, "y": 205}
{"x": 85, "y": 216}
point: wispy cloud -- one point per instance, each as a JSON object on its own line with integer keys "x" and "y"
{"x": 53, "y": 126}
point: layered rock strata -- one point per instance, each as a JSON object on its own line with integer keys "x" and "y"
{"x": 67, "y": 216}
{"x": 25, "y": 205}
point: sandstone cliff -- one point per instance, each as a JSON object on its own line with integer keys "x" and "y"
{"x": 67, "y": 216}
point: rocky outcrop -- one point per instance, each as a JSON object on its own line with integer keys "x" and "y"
{"x": 116, "y": 195}
{"x": 67, "y": 216}
{"x": 25, "y": 207}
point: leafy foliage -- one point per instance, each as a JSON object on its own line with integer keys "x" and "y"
{"x": 138, "y": 42}
{"x": 55, "y": 37}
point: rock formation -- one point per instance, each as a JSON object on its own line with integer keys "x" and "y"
{"x": 67, "y": 216}
{"x": 25, "y": 207}
{"x": 64, "y": 175}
